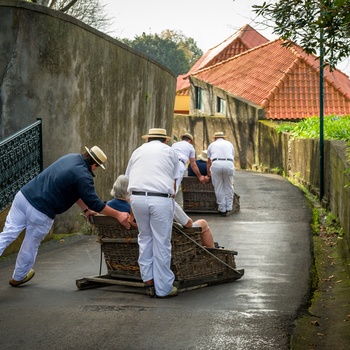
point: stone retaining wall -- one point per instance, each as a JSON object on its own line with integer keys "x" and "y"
{"x": 300, "y": 159}
{"x": 88, "y": 88}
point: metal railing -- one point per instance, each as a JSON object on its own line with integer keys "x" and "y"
{"x": 21, "y": 160}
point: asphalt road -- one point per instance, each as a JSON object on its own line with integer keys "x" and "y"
{"x": 271, "y": 233}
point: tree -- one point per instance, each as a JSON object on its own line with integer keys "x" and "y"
{"x": 90, "y": 12}
{"x": 322, "y": 28}
{"x": 172, "y": 49}
{"x": 302, "y": 21}
{"x": 192, "y": 52}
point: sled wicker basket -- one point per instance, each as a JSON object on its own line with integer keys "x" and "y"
{"x": 198, "y": 197}
{"x": 191, "y": 263}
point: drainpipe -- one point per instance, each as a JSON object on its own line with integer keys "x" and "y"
{"x": 321, "y": 117}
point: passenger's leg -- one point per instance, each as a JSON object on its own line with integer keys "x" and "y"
{"x": 206, "y": 235}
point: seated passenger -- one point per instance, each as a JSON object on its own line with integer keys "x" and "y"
{"x": 206, "y": 236}
{"x": 120, "y": 195}
{"x": 121, "y": 200}
{"x": 201, "y": 164}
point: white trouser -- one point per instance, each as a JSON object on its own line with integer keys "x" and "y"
{"x": 179, "y": 180}
{"x": 23, "y": 215}
{"x": 222, "y": 172}
{"x": 154, "y": 217}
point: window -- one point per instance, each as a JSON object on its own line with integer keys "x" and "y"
{"x": 220, "y": 105}
{"x": 199, "y": 98}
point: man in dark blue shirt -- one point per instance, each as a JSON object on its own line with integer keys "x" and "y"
{"x": 67, "y": 181}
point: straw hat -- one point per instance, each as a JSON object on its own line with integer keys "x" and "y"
{"x": 153, "y": 133}
{"x": 97, "y": 155}
{"x": 187, "y": 134}
{"x": 203, "y": 156}
{"x": 219, "y": 134}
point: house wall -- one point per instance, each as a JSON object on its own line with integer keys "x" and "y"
{"x": 300, "y": 159}
{"x": 87, "y": 87}
{"x": 182, "y": 104}
{"x": 239, "y": 123}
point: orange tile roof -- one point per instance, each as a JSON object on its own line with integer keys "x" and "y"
{"x": 181, "y": 82}
{"x": 284, "y": 81}
{"x": 242, "y": 40}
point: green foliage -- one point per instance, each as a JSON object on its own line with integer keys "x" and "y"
{"x": 335, "y": 128}
{"x": 188, "y": 45}
{"x": 323, "y": 222}
{"x": 331, "y": 224}
{"x": 301, "y": 21}
{"x": 277, "y": 170}
{"x": 170, "y": 48}
{"x": 315, "y": 223}
{"x": 285, "y": 127}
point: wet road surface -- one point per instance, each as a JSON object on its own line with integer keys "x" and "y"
{"x": 271, "y": 233}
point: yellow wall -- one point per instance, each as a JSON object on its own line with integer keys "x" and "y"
{"x": 182, "y": 104}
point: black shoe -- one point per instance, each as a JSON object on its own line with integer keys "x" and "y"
{"x": 223, "y": 213}
{"x": 216, "y": 245}
{"x": 150, "y": 291}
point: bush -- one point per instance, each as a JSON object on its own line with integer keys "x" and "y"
{"x": 335, "y": 128}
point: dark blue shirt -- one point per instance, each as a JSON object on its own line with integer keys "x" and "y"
{"x": 61, "y": 184}
{"x": 202, "y": 166}
{"x": 120, "y": 205}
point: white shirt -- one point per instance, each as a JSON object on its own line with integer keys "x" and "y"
{"x": 153, "y": 167}
{"x": 180, "y": 216}
{"x": 221, "y": 148}
{"x": 184, "y": 150}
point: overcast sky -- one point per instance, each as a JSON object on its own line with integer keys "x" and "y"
{"x": 207, "y": 22}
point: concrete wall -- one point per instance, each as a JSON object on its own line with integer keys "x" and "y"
{"x": 88, "y": 88}
{"x": 273, "y": 147}
{"x": 338, "y": 195}
{"x": 300, "y": 159}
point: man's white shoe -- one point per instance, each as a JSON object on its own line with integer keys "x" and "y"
{"x": 28, "y": 277}
{"x": 173, "y": 293}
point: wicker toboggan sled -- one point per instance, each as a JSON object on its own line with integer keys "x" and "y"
{"x": 193, "y": 265}
{"x": 200, "y": 198}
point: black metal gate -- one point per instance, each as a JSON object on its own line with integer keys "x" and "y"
{"x": 21, "y": 159}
